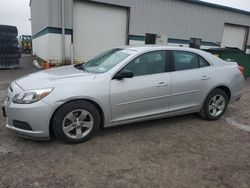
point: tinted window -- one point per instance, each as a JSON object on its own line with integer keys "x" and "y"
{"x": 185, "y": 60}
{"x": 148, "y": 63}
{"x": 203, "y": 62}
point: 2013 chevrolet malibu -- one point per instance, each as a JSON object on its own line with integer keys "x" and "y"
{"x": 121, "y": 86}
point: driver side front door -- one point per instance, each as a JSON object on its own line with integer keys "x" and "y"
{"x": 147, "y": 92}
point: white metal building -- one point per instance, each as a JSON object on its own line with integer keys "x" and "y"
{"x": 79, "y": 29}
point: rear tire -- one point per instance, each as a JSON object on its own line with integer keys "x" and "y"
{"x": 76, "y": 122}
{"x": 215, "y": 105}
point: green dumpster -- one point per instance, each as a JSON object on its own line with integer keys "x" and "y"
{"x": 236, "y": 55}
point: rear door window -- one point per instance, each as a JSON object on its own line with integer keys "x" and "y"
{"x": 185, "y": 60}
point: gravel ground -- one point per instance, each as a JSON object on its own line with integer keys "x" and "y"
{"x": 175, "y": 152}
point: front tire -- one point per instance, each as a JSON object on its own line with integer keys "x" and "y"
{"x": 76, "y": 122}
{"x": 215, "y": 105}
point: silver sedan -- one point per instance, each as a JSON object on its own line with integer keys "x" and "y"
{"x": 121, "y": 86}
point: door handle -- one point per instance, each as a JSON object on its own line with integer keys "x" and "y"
{"x": 161, "y": 84}
{"x": 205, "y": 78}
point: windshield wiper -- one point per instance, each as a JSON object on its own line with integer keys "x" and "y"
{"x": 81, "y": 67}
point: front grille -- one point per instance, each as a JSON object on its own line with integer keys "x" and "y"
{"x": 22, "y": 125}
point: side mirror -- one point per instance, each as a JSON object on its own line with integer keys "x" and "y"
{"x": 123, "y": 74}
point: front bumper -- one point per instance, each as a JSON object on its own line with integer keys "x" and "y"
{"x": 36, "y": 115}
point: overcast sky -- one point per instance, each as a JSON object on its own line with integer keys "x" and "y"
{"x": 17, "y": 12}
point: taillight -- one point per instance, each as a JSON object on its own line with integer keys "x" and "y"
{"x": 242, "y": 69}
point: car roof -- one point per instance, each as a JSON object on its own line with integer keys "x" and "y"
{"x": 145, "y": 48}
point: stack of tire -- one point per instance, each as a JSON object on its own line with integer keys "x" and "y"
{"x": 9, "y": 51}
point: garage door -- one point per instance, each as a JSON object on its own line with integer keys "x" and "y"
{"x": 233, "y": 36}
{"x": 96, "y": 28}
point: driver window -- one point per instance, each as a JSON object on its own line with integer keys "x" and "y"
{"x": 148, "y": 63}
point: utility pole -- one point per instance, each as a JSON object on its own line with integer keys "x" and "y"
{"x": 63, "y": 32}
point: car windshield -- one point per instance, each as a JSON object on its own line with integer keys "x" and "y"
{"x": 105, "y": 61}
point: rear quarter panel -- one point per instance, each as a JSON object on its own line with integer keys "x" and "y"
{"x": 227, "y": 74}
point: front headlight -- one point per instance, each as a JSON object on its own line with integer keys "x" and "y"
{"x": 27, "y": 97}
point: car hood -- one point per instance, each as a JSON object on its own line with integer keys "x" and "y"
{"x": 51, "y": 77}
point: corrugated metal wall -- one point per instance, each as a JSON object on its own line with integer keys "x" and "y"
{"x": 46, "y": 13}
{"x": 40, "y": 15}
{"x": 178, "y": 19}
{"x": 55, "y": 10}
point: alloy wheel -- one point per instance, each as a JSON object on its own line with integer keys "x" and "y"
{"x": 217, "y": 105}
{"x": 78, "y": 124}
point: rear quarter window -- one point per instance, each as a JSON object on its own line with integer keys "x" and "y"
{"x": 203, "y": 62}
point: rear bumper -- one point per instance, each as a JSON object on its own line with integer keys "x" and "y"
{"x": 237, "y": 86}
